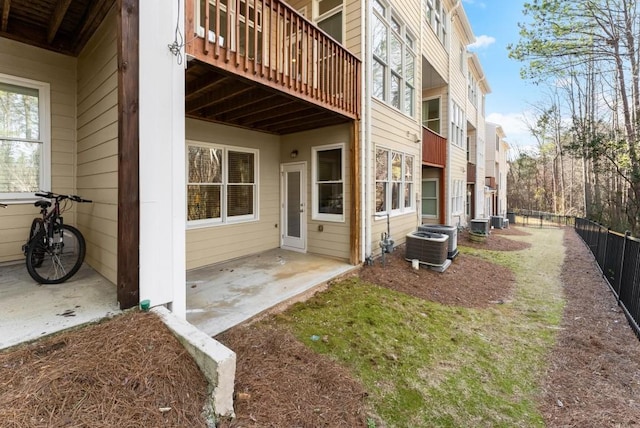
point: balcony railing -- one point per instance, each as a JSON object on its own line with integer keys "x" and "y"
{"x": 269, "y": 42}
{"x": 471, "y": 172}
{"x": 434, "y": 148}
{"x": 490, "y": 182}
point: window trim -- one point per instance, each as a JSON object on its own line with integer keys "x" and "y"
{"x": 44, "y": 123}
{"x": 315, "y": 215}
{"x": 390, "y": 20}
{"x": 426, "y": 100}
{"x": 225, "y": 219}
{"x": 388, "y": 203}
{"x": 317, "y": 17}
{"x": 458, "y": 190}
{"x": 457, "y": 126}
{"x": 437, "y": 197}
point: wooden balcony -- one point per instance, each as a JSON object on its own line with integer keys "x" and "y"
{"x": 261, "y": 65}
{"x": 490, "y": 182}
{"x": 434, "y": 148}
{"x": 471, "y": 172}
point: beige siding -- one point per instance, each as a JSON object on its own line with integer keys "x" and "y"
{"x": 97, "y": 150}
{"x": 334, "y": 239}
{"x": 213, "y": 244}
{"x": 59, "y": 71}
{"x": 393, "y": 130}
{"x": 353, "y": 28}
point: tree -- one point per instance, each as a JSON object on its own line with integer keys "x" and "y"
{"x": 584, "y": 45}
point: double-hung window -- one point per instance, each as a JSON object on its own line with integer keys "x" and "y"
{"x": 436, "y": 17}
{"x": 458, "y": 126}
{"x": 393, "y": 60}
{"x": 25, "y": 137}
{"x": 221, "y": 184}
{"x": 394, "y": 181}
{"x": 457, "y": 197}
{"x": 328, "y": 182}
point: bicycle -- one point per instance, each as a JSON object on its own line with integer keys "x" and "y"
{"x": 54, "y": 250}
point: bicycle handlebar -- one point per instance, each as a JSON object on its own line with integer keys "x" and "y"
{"x": 51, "y": 195}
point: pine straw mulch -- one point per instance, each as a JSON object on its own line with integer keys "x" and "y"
{"x": 129, "y": 371}
{"x": 282, "y": 383}
{"x": 469, "y": 281}
{"x": 123, "y": 371}
{"x": 593, "y": 379}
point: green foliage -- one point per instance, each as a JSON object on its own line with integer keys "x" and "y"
{"x": 425, "y": 364}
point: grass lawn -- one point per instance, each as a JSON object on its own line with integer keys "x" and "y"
{"x": 427, "y": 364}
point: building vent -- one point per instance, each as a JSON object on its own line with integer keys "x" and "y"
{"x": 450, "y": 231}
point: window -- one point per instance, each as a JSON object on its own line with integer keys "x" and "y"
{"x": 458, "y": 126}
{"x": 393, "y": 60}
{"x": 472, "y": 90}
{"x": 430, "y": 198}
{"x": 394, "y": 181}
{"x": 431, "y": 114}
{"x": 437, "y": 18}
{"x": 328, "y": 182}
{"x": 221, "y": 184}
{"x": 457, "y": 197}
{"x": 25, "y": 142}
{"x": 329, "y": 17}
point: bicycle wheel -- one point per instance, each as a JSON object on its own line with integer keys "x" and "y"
{"x": 37, "y": 256}
{"x": 61, "y": 260}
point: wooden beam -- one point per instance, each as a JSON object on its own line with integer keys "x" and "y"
{"x": 56, "y": 19}
{"x": 6, "y": 6}
{"x": 91, "y": 20}
{"x": 128, "y": 275}
{"x": 356, "y": 200}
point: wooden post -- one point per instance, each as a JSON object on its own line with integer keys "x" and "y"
{"x": 356, "y": 200}
{"x": 128, "y": 275}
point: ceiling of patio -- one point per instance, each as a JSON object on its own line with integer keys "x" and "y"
{"x": 216, "y": 95}
{"x": 62, "y": 26}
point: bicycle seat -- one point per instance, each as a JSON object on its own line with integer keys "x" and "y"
{"x": 42, "y": 204}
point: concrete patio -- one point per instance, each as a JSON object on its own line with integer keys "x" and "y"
{"x": 218, "y": 296}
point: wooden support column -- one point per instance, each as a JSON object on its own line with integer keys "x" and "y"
{"x": 128, "y": 154}
{"x": 356, "y": 197}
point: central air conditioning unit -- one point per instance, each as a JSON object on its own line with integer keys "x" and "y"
{"x": 480, "y": 226}
{"x": 429, "y": 249}
{"x": 497, "y": 222}
{"x": 450, "y": 231}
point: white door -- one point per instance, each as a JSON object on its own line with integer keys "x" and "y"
{"x": 293, "y": 210}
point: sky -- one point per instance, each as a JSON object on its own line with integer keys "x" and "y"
{"x": 495, "y": 25}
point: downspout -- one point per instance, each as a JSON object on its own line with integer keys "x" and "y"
{"x": 365, "y": 38}
{"x": 447, "y": 196}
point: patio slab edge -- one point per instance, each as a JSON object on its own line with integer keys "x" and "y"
{"x": 217, "y": 362}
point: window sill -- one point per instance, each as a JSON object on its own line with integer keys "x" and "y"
{"x": 208, "y": 224}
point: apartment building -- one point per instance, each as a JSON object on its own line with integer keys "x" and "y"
{"x": 477, "y": 90}
{"x": 496, "y": 169}
{"x": 225, "y": 128}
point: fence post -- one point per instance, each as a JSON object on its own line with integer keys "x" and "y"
{"x": 627, "y": 233}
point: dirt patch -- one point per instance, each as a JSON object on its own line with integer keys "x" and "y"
{"x": 127, "y": 371}
{"x": 593, "y": 379}
{"x": 282, "y": 383}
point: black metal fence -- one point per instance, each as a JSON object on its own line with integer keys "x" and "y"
{"x": 539, "y": 218}
{"x": 618, "y": 256}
